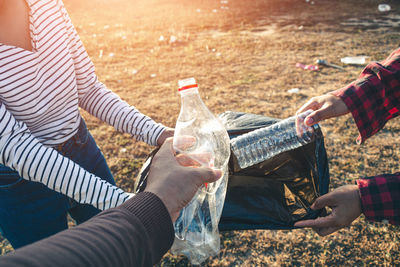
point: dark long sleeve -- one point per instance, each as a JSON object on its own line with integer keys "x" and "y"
{"x": 137, "y": 233}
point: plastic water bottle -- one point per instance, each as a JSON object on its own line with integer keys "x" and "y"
{"x": 196, "y": 229}
{"x": 264, "y": 143}
{"x": 359, "y": 60}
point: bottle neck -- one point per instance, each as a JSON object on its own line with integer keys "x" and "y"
{"x": 188, "y": 92}
{"x": 190, "y": 97}
{"x": 191, "y": 102}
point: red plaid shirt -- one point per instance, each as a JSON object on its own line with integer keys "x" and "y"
{"x": 373, "y": 99}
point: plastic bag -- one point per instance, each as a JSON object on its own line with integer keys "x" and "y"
{"x": 278, "y": 192}
{"x": 273, "y": 194}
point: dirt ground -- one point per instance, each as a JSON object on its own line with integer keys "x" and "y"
{"x": 243, "y": 55}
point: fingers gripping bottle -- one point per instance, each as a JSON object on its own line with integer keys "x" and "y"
{"x": 196, "y": 229}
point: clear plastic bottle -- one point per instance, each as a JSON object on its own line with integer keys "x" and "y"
{"x": 264, "y": 143}
{"x": 196, "y": 229}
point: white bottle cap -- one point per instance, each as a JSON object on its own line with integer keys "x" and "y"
{"x": 187, "y": 84}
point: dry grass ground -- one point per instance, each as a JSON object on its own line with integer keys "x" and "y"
{"x": 244, "y": 60}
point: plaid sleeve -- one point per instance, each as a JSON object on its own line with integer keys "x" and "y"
{"x": 374, "y": 98}
{"x": 380, "y": 197}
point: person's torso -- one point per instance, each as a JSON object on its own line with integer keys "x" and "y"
{"x": 39, "y": 87}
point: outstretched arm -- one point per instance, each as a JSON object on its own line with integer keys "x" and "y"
{"x": 372, "y": 99}
{"x": 33, "y": 161}
{"x": 98, "y": 100}
{"x": 137, "y": 233}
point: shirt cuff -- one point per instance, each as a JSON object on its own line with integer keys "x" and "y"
{"x": 153, "y": 132}
{"x": 379, "y": 197}
{"x": 153, "y": 214}
{"x": 160, "y": 130}
{"x": 344, "y": 93}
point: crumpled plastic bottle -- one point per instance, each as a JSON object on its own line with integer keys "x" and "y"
{"x": 196, "y": 229}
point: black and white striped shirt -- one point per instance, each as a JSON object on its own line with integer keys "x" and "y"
{"x": 40, "y": 95}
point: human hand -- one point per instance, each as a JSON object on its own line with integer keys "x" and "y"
{"x": 168, "y": 132}
{"x": 346, "y": 207}
{"x": 174, "y": 183}
{"x": 325, "y": 107}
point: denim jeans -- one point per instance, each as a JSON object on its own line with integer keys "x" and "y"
{"x": 30, "y": 211}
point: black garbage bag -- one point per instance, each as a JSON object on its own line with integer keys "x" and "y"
{"x": 273, "y": 194}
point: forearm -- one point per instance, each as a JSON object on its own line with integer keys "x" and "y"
{"x": 380, "y": 197}
{"x": 33, "y": 161}
{"x": 137, "y": 233}
{"x": 108, "y": 107}
{"x": 101, "y": 102}
{"x": 374, "y": 98}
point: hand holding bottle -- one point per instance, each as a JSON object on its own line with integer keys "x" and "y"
{"x": 190, "y": 160}
{"x": 173, "y": 183}
{"x": 325, "y": 107}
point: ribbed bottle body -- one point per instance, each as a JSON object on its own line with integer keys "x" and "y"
{"x": 264, "y": 143}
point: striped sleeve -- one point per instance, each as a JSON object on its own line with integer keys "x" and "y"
{"x": 22, "y": 152}
{"x": 101, "y": 102}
